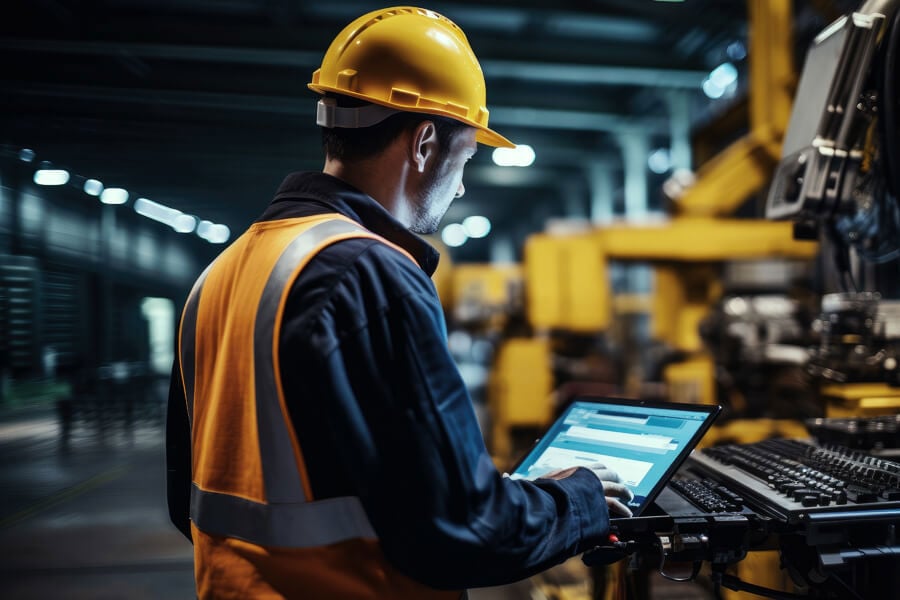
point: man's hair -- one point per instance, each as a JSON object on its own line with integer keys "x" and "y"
{"x": 365, "y": 142}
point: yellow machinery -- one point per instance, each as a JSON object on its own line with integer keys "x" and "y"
{"x": 566, "y": 289}
{"x": 860, "y": 399}
{"x": 566, "y": 285}
{"x": 566, "y": 276}
{"x": 484, "y": 293}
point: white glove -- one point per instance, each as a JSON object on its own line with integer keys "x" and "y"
{"x": 615, "y": 491}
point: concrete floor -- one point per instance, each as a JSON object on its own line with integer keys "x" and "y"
{"x": 87, "y": 519}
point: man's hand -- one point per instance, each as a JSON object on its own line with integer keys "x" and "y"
{"x": 615, "y": 491}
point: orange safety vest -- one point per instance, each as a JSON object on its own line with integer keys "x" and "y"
{"x": 258, "y": 531}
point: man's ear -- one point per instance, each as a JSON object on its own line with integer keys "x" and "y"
{"x": 423, "y": 145}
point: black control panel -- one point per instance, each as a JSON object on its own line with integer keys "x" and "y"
{"x": 832, "y": 512}
{"x": 791, "y": 479}
{"x": 864, "y": 433}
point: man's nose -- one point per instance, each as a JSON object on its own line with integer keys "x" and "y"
{"x": 460, "y": 190}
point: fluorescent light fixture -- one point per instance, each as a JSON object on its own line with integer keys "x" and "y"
{"x": 156, "y": 211}
{"x": 166, "y": 215}
{"x": 476, "y": 226}
{"x": 114, "y": 196}
{"x": 454, "y": 235}
{"x": 172, "y": 217}
{"x": 184, "y": 223}
{"x": 92, "y": 187}
{"x": 724, "y": 75}
{"x": 218, "y": 234}
{"x": 214, "y": 233}
{"x": 659, "y": 160}
{"x": 712, "y": 90}
{"x": 204, "y": 227}
{"x": 721, "y": 81}
{"x": 26, "y": 155}
{"x": 51, "y": 177}
{"x": 520, "y": 156}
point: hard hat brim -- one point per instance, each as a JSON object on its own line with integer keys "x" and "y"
{"x": 489, "y": 137}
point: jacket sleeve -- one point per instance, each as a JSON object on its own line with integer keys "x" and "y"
{"x": 443, "y": 513}
{"x": 178, "y": 456}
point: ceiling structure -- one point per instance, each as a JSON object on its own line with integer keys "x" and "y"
{"x": 202, "y": 105}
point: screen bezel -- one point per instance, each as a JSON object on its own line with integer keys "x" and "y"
{"x": 711, "y": 410}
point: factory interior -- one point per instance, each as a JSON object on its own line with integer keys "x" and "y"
{"x": 702, "y": 208}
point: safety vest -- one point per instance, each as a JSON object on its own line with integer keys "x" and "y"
{"x": 258, "y": 531}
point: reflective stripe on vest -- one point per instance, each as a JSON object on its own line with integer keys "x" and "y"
{"x": 288, "y": 517}
{"x": 186, "y": 339}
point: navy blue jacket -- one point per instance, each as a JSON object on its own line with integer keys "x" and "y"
{"x": 381, "y": 413}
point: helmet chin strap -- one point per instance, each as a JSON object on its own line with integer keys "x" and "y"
{"x": 329, "y": 114}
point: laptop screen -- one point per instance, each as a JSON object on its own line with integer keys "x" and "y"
{"x": 644, "y": 442}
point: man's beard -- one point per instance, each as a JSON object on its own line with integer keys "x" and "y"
{"x": 426, "y": 218}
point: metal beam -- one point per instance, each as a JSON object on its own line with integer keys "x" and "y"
{"x": 542, "y": 118}
{"x": 501, "y": 115}
{"x": 221, "y": 54}
{"x": 593, "y": 74}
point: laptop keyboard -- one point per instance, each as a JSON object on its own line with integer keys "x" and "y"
{"x": 708, "y": 495}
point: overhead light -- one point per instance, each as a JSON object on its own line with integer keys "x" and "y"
{"x": 476, "y": 226}
{"x": 214, "y": 233}
{"x": 51, "y": 177}
{"x": 520, "y": 156}
{"x": 184, "y": 223}
{"x": 218, "y": 234}
{"x": 721, "y": 81}
{"x": 166, "y": 215}
{"x": 156, "y": 211}
{"x": 659, "y": 160}
{"x": 114, "y": 196}
{"x": 92, "y": 187}
{"x": 454, "y": 235}
{"x": 724, "y": 75}
{"x": 204, "y": 227}
{"x": 26, "y": 155}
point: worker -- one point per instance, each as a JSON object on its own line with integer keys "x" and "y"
{"x": 321, "y": 442}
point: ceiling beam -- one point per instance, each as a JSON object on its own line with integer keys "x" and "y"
{"x": 588, "y": 74}
{"x": 542, "y": 118}
{"x": 593, "y": 74}
{"x": 539, "y": 118}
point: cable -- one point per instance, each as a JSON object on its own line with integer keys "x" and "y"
{"x": 874, "y": 230}
{"x": 695, "y": 569}
{"x": 733, "y": 583}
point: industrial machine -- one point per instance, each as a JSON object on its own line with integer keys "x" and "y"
{"x": 574, "y": 318}
{"x": 839, "y": 182}
{"x": 830, "y": 511}
{"x": 827, "y": 501}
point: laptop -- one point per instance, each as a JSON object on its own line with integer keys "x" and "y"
{"x": 644, "y": 442}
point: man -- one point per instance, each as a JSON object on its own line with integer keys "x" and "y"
{"x": 318, "y": 427}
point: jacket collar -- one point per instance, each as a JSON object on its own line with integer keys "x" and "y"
{"x": 309, "y": 193}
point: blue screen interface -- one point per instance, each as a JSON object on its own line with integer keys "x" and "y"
{"x": 640, "y": 443}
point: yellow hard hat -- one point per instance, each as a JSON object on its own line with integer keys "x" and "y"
{"x": 406, "y": 59}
